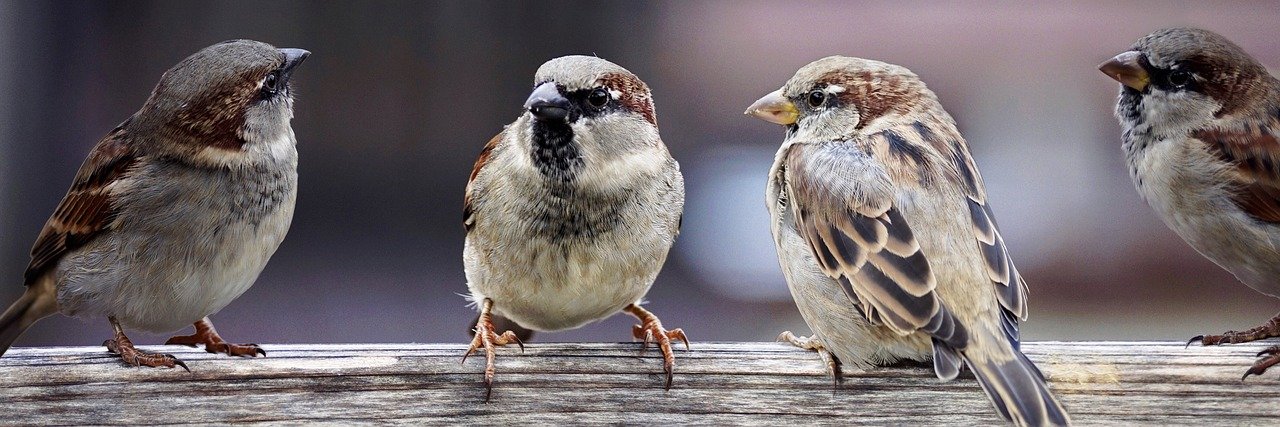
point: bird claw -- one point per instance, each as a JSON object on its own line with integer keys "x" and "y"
{"x": 488, "y": 340}
{"x": 213, "y": 343}
{"x": 650, "y": 330}
{"x": 1266, "y": 330}
{"x": 132, "y": 356}
{"x": 662, "y": 338}
{"x": 1269, "y": 357}
{"x": 812, "y": 343}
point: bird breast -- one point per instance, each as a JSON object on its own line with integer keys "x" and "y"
{"x": 1185, "y": 184}
{"x": 555, "y": 255}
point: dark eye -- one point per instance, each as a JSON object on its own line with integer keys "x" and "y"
{"x": 1179, "y": 78}
{"x": 269, "y": 84}
{"x": 817, "y": 98}
{"x": 598, "y": 98}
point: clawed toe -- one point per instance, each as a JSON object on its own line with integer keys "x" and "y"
{"x": 240, "y": 350}
{"x": 208, "y": 336}
{"x": 812, "y": 343}
{"x": 1266, "y": 330}
{"x": 650, "y": 330}
{"x": 486, "y": 338}
{"x": 1269, "y": 357}
{"x": 132, "y": 356}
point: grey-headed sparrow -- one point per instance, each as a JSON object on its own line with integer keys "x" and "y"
{"x": 570, "y": 211}
{"x": 885, "y": 236}
{"x": 1201, "y": 121}
{"x": 176, "y": 211}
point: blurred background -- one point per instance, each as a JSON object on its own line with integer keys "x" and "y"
{"x": 399, "y": 97}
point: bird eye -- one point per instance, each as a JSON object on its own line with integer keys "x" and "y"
{"x": 270, "y": 82}
{"x": 817, "y": 98}
{"x": 1179, "y": 78}
{"x": 598, "y": 98}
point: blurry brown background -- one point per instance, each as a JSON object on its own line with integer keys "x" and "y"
{"x": 398, "y": 98}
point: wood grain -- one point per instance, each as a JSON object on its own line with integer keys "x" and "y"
{"x": 1119, "y": 383}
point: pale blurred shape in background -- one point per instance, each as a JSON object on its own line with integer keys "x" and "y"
{"x": 399, "y": 97}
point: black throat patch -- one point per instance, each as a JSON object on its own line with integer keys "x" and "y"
{"x": 558, "y": 158}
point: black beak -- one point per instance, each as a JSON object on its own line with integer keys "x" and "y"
{"x": 292, "y": 58}
{"x": 547, "y": 104}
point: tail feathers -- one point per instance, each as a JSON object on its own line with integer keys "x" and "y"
{"x": 1018, "y": 391}
{"x": 946, "y": 361}
{"x": 38, "y": 302}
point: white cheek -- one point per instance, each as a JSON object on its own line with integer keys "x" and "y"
{"x": 828, "y": 125}
{"x": 619, "y": 150}
{"x": 1176, "y": 113}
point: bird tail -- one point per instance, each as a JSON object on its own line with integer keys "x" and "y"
{"x": 38, "y": 302}
{"x": 1016, "y": 388}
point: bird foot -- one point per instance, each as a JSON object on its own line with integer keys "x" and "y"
{"x": 814, "y": 344}
{"x": 213, "y": 343}
{"x": 1268, "y": 358}
{"x": 486, "y": 338}
{"x": 1266, "y": 330}
{"x": 121, "y": 346}
{"x": 650, "y": 330}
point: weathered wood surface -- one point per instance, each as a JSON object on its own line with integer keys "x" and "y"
{"x": 715, "y": 383}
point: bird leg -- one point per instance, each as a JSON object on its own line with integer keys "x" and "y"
{"x": 650, "y": 329}
{"x": 121, "y": 346}
{"x": 486, "y": 337}
{"x": 213, "y": 343}
{"x": 814, "y": 344}
{"x": 1266, "y": 330}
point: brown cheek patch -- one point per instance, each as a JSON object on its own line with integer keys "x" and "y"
{"x": 218, "y": 116}
{"x": 1235, "y": 87}
{"x": 874, "y": 95}
{"x": 635, "y": 94}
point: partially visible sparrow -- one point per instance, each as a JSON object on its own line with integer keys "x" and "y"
{"x": 885, "y": 237}
{"x": 571, "y": 209}
{"x": 1201, "y": 122}
{"x": 176, "y": 211}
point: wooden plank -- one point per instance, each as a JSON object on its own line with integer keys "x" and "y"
{"x": 1106, "y": 383}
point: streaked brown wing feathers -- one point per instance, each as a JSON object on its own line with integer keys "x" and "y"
{"x": 87, "y": 209}
{"x": 468, "y": 221}
{"x": 1255, "y": 152}
{"x": 871, "y": 252}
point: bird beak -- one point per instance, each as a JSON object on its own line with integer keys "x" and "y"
{"x": 774, "y": 108}
{"x": 292, "y": 57}
{"x": 1127, "y": 69}
{"x": 547, "y": 104}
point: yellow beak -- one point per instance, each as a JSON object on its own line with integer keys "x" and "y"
{"x": 774, "y": 108}
{"x": 1127, "y": 69}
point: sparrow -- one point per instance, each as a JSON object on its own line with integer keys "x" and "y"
{"x": 174, "y": 212}
{"x": 571, "y": 209}
{"x": 885, "y": 236}
{"x": 1201, "y": 136}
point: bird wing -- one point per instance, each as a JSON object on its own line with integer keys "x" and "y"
{"x": 89, "y": 207}
{"x": 1010, "y": 288}
{"x": 468, "y": 214}
{"x": 1254, "y": 150}
{"x": 844, "y": 204}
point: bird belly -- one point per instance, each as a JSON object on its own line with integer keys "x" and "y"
{"x": 550, "y": 287}
{"x": 1184, "y": 185}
